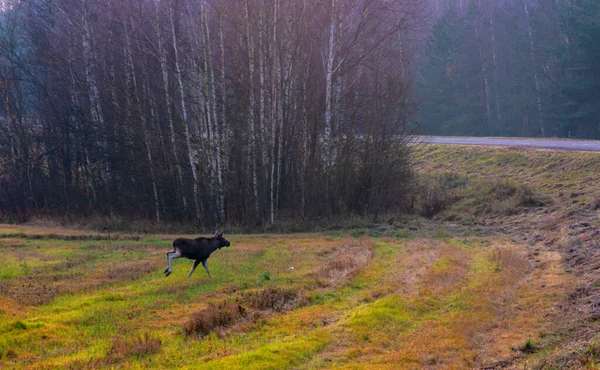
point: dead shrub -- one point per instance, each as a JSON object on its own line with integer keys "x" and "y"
{"x": 344, "y": 264}
{"x": 120, "y": 348}
{"x": 506, "y": 198}
{"x": 139, "y": 346}
{"x": 275, "y": 299}
{"x": 215, "y": 316}
{"x": 529, "y": 198}
{"x": 595, "y": 204}
{"x": 436, "y": 193}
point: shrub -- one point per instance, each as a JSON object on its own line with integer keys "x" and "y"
{"x": 436, "y": 193}
{"x": 138, "y": 346}
{"x": 273, "y": 299}
{"x": 505, "y": 198}
{"x": 215, "y": 316}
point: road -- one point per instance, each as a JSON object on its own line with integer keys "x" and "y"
{"x": 557, "y": 144}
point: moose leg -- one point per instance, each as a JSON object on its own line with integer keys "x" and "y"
{"x": 206, "y": 267}
{"x": 196, "y": 263}
{"x": 170, "y": 256}
{"x": 168, "y": 261}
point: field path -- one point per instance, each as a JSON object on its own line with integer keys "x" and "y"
{"x": 556, "y": 144}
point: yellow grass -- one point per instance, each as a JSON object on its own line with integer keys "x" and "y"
{"x": 355, "y": 303}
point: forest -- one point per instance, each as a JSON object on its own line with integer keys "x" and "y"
{"x": 251, "y": 112}
{"x": 212, "y": 112}
{"x": 512, "y": 68}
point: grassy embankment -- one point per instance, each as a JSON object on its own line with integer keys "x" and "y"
{"x": 472, "y": 293}
{"x": 545, "y": 201}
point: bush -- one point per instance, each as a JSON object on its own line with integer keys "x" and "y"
{"x": 139, "y": 346}
{"x": 273, "y": 299}
{"x": 215, "y": 316}
{"x": 505, "y": 198}
{"x": 436, "y": 193}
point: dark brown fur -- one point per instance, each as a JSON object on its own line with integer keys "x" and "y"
{"x": 198, "y": 249}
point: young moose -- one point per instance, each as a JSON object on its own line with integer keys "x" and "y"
{"x": 198, "y": 249}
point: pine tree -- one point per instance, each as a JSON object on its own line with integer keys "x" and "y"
{"x": 580, "y": 59}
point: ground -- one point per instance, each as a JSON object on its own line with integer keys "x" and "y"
{"x": 503, "y": 275}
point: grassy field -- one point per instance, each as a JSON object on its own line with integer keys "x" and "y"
{"x": 479, "y": 284}
{"x": 347, "y": 302}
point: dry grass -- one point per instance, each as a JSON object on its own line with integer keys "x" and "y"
{"x": 455, "y": 304}
{"x": 273, "y": 298}
{"x": 144, "y": 344}
{"x": 121, "y": 349}
{"x": 44, "y": 284}
{"x": 356, "y": 303}
{"x": 219, "y": 316}
{"x": 344, "y": 263}
{"x": 131, "y": 271}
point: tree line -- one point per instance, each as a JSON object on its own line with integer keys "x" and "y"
{"x": 211, "y": 111}
{"x": 512, "y": 68}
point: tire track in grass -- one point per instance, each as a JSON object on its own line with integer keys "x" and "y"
{"x": 444, "y": 315}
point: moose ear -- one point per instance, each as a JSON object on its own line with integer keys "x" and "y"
{"x": 216, "y": 232}
{"x": 220, "y": 234}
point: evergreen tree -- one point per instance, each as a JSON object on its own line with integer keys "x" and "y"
{"x": 580, "y": 59}
{"x": 450, "y": 79}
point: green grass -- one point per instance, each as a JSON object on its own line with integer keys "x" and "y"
{"x": 365, "y": 297}
{"x": 360, "y": 302}
{"x": 475, "y": 184}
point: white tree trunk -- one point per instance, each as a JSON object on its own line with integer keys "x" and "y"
{"x": 186, "y": 125}
{"x": 275, "y": 107}
{"x": 223, "y": 126}
{"x": 90, "y": 74}
{"x": 262, "y": 104}
{"x": 162, "y": 56}
{"x": 93, "y": 91}
{"x": 131, "y": 78}
{"x": 215, "y": 121}
{"x": 328, "y": 84}
{"x": 251, "y": 108}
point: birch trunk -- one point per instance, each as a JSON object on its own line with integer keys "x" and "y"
{"x": 284, "y": 81}
{"x": 165, "y": 79}
{"x": 328, "y": 85}
{"x": 262, "y": 106}
{"x": 89, "y": 185}
{"x": 215, "y": 121}
{"x": 206, "y": 104}
{"x": 186, "y": 125}
{"x": 90, "y": 74}
{"x": 93, "y": 91}
{"x": 251, "y": 108}
{"x": 223, "y": 126}
{"x": 275, "y": 78}
{"x": 303, "y": 180}
{"x": 131, "y": 77}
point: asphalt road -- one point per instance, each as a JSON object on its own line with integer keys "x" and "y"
{"x": 557, "y": 144}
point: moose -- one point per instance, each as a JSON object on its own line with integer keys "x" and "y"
{"x": 198, "y": 249}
